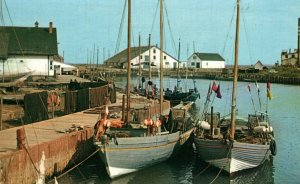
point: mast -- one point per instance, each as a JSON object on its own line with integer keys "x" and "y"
{"x": 298, "y": 50}
{"x": 128, "y": 60}
{"x": 233, "y": 108}
{"x": 161, "y": 56}
{"x": 149, "y": 46}
{"x": 140, "y": 56}
{"x": 178, "y": 62}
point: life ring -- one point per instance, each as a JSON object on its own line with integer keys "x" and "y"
{"x": 148, "y": 122}
{"x": 273, "y": 147}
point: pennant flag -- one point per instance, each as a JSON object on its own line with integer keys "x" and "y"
{"x": 208, "y": 92}
{"x": 257, "y": 87}
{"x": 249, "y": 89}
{"x": 258, "y": 91}
{"x": 214, "y": 87}
{"x": 219, "y": 95}
{"x": 269, "y": 94}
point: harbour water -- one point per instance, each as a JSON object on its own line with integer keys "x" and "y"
{"x": 186, "y": 168}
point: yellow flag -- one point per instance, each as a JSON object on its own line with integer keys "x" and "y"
{"x": 269, "y": 94}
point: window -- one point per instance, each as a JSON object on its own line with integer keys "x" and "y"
{"x": 192, "y": 63}
{"x": 165, "y": 57}
{"x": 141, "y": 57}
{"x": 154, "y": 51}
{"x": 167, "y": 63}
{"x": 194, "y": 57}
{"x": 206, "y": 64}
{"x": 293, "y": 56}
{"x": 154, "y": 57}
{"x": 286, "y": 56}
{"x": 21, "y": 61}
{"x": 146, "y": 58}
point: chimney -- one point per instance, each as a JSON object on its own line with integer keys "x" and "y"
{"x": 36, "y": 24}
{"x": 50, "y": 27}
{"x": 298, "y": 42}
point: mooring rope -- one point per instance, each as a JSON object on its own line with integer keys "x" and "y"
{"x": 72, "y": 168}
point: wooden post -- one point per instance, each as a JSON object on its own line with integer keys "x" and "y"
{"x": 212, "y": 121}
{"x": 1, "y": 111}
{"x": 21, "y": 138}
{"x": 123, "y": 108}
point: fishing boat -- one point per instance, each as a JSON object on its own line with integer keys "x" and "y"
{"x": 178, "y": 95}
{"x": 129, "y": 149}
{"x": 234, "y": 143}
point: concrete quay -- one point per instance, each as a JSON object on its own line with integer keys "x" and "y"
{"x": 63, "y": 142}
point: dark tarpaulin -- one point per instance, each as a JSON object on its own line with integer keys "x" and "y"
{"x": 112, "y": 93}
{"x": 35, "y": 106}
{"x": 70, "y": 102}
{"x": 98, "y": 96}
{"x": 82, "y": 99}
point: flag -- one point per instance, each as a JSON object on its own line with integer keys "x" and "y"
{"x": 214, "y": 87}
{"x": 269, "y": 94}
{"x": 257, "y": 87}
{"x": 208, "y": 92}
{"x": 258, "y": 91}
{"x": 249, "y": 89}
{"x": 219, "y": 95}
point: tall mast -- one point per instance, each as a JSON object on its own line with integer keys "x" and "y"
{"x": 149, "y": 46}
{"x": 128, "y": 60}
{"x": 178, "y": 62}
{"x": 140, "y": 56}
{"x": 233, "y": 108}
{"x": 298, "y": 50}
{"x": 161, "y": 55}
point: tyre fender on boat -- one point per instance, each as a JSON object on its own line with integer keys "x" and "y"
{"x": 273, "y": 147}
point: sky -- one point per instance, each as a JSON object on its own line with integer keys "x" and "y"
{"x": 266, "y": 28}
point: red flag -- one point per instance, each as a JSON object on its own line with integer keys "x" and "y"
{"x": 219, "y": 95}
{"x": 214, "y": 87}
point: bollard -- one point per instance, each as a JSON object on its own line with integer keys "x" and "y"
{"x": 21, "y": 138}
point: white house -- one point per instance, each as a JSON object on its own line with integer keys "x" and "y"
{"x": 258, "y": 65}
{"x": 29, "y": 49}
{"x": 120, "y": 59}
{"x": 205, "y": 60}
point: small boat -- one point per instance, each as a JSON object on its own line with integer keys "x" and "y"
{"x": 129, "y": 149}
{"x": 234, "y": 143}
{"x": 178, "y": 95}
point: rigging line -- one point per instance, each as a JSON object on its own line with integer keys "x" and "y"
{"x": 1, "y": 13}
{"x": 19, "y": 44}
{"x": 154, "y": 17}
{"x": 247, "y": 40}
{"x": 121, "y": 28}
{"x": 169, "y": 25}
{"x": 72, "y": 168}
{"x": 233, "y": 12}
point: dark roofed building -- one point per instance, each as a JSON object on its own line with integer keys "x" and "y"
{"x": 120, "y": 60}
{"x": 29, "y": 41}
{"x": 206, "y": 60}
{"x": 28, "y": 50}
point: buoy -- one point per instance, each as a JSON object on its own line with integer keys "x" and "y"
{"x": 273, "y": 147}
{"x": 148, "y": 122}
{"x": 259, "y": 129}
{"x": 204, "y": 125}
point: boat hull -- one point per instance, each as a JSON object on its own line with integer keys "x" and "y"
{"x": 126, "y": 155}
{"x": 176, "y": 98}
{"x": 231, "y": 157}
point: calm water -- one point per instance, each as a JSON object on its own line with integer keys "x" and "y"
{"x": 187, "y": 168}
